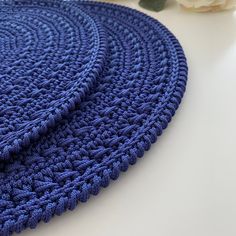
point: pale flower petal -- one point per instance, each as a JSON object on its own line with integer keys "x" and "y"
{"x": 207, "y": 5}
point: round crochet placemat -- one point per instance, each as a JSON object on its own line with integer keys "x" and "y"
{"x": 138, "y": 75}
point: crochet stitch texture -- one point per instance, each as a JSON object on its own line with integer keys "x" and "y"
{"x": 86, "y": 88}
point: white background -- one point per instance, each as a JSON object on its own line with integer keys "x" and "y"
{"x": 186, "y": 184}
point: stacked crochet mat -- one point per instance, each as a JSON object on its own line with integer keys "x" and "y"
{"x": 86, "y": 88}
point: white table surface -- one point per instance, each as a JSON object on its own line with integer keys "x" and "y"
{"x": 186, "y": 184}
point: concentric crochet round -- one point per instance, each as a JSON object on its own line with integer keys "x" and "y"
{"x": 141, "y": 74}
{"x": 51, "y": 54}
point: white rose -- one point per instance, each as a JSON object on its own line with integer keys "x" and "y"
{"x": 207, "y": 5}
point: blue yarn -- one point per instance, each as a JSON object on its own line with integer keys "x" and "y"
{"x": 86, "y": 88}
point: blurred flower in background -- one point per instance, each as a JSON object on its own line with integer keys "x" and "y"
{"x": 207, "y": 5}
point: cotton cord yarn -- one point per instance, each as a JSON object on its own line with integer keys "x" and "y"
{"x": 51, "y": 54}
{"x": 86, "y": 88}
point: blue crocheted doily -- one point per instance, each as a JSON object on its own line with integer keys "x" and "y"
{"x": 86, "y": 88}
